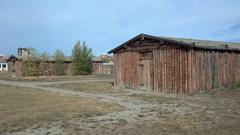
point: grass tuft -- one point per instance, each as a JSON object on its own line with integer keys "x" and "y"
{"x": 122, "y": 122}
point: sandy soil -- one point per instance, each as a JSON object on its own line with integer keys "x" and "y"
{"x": 147, "y": 113}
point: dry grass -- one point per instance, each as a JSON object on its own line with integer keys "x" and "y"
{"x": 22, "y": 108}
{"x": 54, "y": 78}
{"x": 153, "y": 97}
{"x": 216, "y": 113}
{"x": 5, "y": 76}
{"x": 90, "y": 87}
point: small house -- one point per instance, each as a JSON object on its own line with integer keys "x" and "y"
{"x": 3, "y": 63}
{"x": 102, "y": 64}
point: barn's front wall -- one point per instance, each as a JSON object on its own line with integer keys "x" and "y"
{"x": 126, "y": 72}
{"x": 174, "y": 69}
{"x": 15, "y": 68}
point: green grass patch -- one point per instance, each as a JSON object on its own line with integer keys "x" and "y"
{"x": 122, "y": 122}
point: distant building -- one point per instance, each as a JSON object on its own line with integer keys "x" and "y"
{"x": 3, "y": 63}
{"x": 102, "y": 64}
{"x": 14, "y": 63}
{"x": 23, "y": 52}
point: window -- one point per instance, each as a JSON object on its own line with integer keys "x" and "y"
{"x": 146, "y": 55}
{"x": 3, "y": 67}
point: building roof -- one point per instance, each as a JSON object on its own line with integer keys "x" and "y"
{"x": 66, "y": 58}
{"x": 50, "y": 58}
{"x": 3, "y": 59}
{"x": 185, "y": 42}
{"x": 12, "y": 58}
{"x": 97, "y": 59}
{"x": 102, "y": 58}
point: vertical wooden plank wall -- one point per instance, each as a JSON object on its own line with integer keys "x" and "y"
{"x": 18, "y": 66}
{"x": 97, "y": 68}
{"x": 126, "y": 72}
{"x": 190, "y": 70}
{"x": 179, "y": 70}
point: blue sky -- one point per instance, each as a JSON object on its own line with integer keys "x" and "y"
{"x": 104, "y": 24}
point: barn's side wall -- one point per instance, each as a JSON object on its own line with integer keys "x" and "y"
{"x": 180, "y": 70}
{"x": 190, "y": 70}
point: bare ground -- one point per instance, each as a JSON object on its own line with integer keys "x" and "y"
{"x": 8, "y": 77}
{"x": 146, "y": 112}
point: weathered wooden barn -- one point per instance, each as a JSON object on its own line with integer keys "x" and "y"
{"x": 176, "y": 65}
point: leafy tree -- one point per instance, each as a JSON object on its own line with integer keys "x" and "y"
{"x": 81, "y": 59}
{"x": 58, "y": 67}
{"x": 30, "y": 64}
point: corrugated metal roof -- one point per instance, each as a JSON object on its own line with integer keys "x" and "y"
{"x": 185, "y": 42}
{"x": 97, "y": 59}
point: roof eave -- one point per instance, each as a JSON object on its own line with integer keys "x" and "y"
{"x": 142, "y": 36}
{"x": 181, "y": 43}
{"x": 122, "y": 45}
